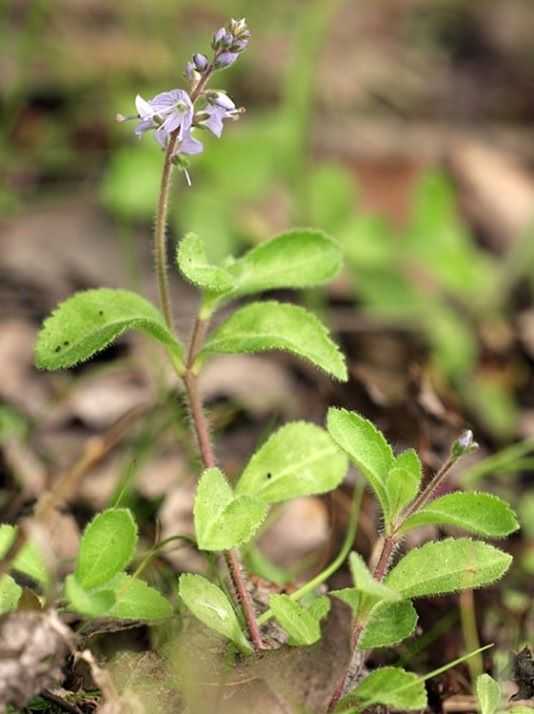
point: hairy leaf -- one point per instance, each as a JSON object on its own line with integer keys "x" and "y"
{"x": 10, "y": 593}
{"x": 194, "y": 264}
{"x": 210, "y": 605}
{"x": 480, "y": 513}
{"x": 222, "y": 520}
{"x": 298, "y": 460}
{"x": 271, "y": 325}
{"x": 135, "y": 600}
{"x": 446, "y": 566}
{"x": 391, "y": 686}
{"x": 403, "y": 481}
{"x": 365, "y": 583}
{"x": 388, "y": 624}
{"x": 89, "y": 321}
{"x": 488, "y": 694}
{"x": 29, "y": 561}
{"x": 366, "y": 447}
{"x": 299, "y": 623}
{"x": 350, "y": 596}
{"x": 96, "y": 603}
{"x": 107, "y": 546}
{"x": 300, "y": 258}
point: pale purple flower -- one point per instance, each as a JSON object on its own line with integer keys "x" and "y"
{"x": 219, "y": 107}
{"x": 166, "y": 113}
{"x": 225, "y": 59}
{"x": 200, "y": 62}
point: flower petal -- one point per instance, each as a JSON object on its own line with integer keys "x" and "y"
{"x": 144, "y": 109}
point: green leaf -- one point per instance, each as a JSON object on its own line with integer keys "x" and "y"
{"x": 476, "y": 512}
{"x": 10, "y": 594}
{"x": 388, "y": 624}
{"x": 194, "y": 264}
{"x": 89, "y": 321}
{"x": 135, "y": 600}
{"x": 299, "y": 623}
{"x": 350, "y": 596}
{"x": 366, "y": 447}
{"x": 29, "y": 561}
{"x": 403, "y": 481}
{"x": 92, "y": 604}
{"x": 365, "y": 583}
{"x": 271, "y": 325}
{"x": 300, "y": 258}
{"x": 107, "y": 546}
{"x": 447, "y": 566}
{"x": 222, "y": 520}
{"x": 299, "y": 459}
{"x": 488, "y": 694}
{"x": 319, "y": 607}
{"x": 391, "y": 686}
{"x": 210, "y": 605}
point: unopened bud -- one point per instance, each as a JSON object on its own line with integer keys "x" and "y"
{"x": 238, "y": 45}
{"x": 222, "y": 39}
{"x": 225, "y": 59}
{"x": 464, "y": 444}
{"x": 200, "y": 62}
{"x": 237, "y": 27}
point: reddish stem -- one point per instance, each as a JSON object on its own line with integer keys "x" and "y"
{"x": 201, "y": 428}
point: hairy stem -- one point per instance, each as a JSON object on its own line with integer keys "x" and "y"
{"x": 190, "y": 377}
{"x": 160, "y": 244}
{"x": 425, "y": 496}
{"x": 201, "y": 428}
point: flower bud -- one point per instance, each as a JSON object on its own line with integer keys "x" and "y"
{"x": 238, "y": 27}
{"x": 464, "y": 444}
{"x": 191, "y": 72}
{"x": 238, "y": 45}
{"x": 200, "y": 62}
{"x": 217, "y": 38}
{"x": 225, "y": 59}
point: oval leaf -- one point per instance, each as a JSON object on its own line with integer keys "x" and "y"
{"x": 391, "y": 686}
{"x": 364, "y": 581}
{"x": 89, "y": 321}
{"x": 480, "y": 513}
{"x": 210, "y": 605}
{"x": 194, "y": 264}
{"x": 29, "y": 561}
{"x": 271, "y": 325}
{"x": 366, "y": 447}
{"x": 10, "y": 593}
{"x": 488, "y": 694}
{"x": 92, "y": 604}
{"x": 135, "y": 600}
{"x": 299, "y": 459}
{"x": 447, "y": 566}
{"x": 107, "y": 546}
{"x": 222, "y": 520}
{"x": 388, "y": 624}
{"x": 300, "y": 624}
{"x": 403, "y": 481}
{"x": 301, "y": 258}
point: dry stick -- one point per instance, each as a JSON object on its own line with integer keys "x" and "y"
{"x": 389, "y": 545}
{"x": 200, "y": 425}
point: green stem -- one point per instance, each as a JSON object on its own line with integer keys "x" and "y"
{"x": 337, "y": 562}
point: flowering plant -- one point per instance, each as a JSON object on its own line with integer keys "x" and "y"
{"x": 299, "y": 459}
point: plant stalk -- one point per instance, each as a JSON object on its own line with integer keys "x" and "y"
{"x": 190, "y": 377}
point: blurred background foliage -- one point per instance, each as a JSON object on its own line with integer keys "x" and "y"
{"x": 403, "y": 128}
